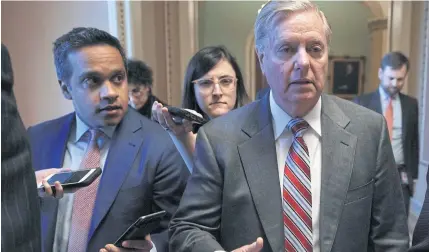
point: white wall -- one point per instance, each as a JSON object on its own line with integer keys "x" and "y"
{"x": 28, "y": 29}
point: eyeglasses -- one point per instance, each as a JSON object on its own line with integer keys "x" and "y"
{"x": 135, "y": 91}
{"x": 226, "y": 83}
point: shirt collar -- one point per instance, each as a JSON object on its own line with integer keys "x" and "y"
{"x": 281, "y": 118}
{"x": 82, "y": 128}
{"x": 384, "y": 95}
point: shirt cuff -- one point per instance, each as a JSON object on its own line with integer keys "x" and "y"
{"x": 153, "y": 247}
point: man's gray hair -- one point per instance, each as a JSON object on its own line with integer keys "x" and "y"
{"x": 263, "y": 23}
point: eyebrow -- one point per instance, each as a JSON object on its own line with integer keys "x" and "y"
{"x": 225, "y": 75}
{"x": 118, "y": 71}
{"x": 89, "y": 73}
{"x": 292, "y": 39}
{"x": 98, "y": 74}
{"x": 221, "y": 76}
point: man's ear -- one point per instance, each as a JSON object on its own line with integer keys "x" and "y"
{"x": 261, "y": 57}
{"x": 65, "y": 89}
{"x": 380, "y": 74}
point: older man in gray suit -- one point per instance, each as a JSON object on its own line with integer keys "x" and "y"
{"x": 297, "y": 170}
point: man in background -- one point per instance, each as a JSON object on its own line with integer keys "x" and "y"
{"x": 20, "y": 211}
{"x": 401, "y": 114}
{"x": 140, "y": 81}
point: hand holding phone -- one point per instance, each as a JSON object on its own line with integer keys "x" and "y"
{"x": 179, "y": 127}
{"x": 145, "y": 245}
{"x": 142, "y": 227}
{"x": 179, "y": 113}
{"x": 40, "y": 180}
{"x": 69, "y": 181}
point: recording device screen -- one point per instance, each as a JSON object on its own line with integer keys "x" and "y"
{"x": 68, "y": 177}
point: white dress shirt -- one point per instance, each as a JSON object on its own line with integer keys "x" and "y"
{"x": 398, "y": 151}
{"x": 75, "y": 151}
{"x": 312, "y": 137}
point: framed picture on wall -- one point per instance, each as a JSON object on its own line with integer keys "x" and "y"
{"x": 346, "y": 76}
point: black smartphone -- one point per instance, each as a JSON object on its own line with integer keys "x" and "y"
{"x": 73, "y": 179}
{"x": 182, "y": 113}
{"x": 141, "y": 227}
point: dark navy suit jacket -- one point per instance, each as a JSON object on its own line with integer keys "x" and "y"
{"x": 143, "y": 173}
{"x": 410, "y": 131}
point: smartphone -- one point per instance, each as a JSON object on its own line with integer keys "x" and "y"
{"x": 73, "y": 179}
{"x": 184, "y": 114}
{"x": 141, "y": 227}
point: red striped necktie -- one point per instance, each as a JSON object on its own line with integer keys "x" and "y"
{"x": 297, "y": 192}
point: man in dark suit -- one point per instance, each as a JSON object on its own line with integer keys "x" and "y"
{"x": 421, "y": 232}
{"x": 142, "y": 170}
{"x": 20, "y": 208}
{"x": 297, "y": 170}
{"x": 401, "y": 114}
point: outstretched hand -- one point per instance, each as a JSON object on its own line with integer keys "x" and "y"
{"x": 254, "y": 247}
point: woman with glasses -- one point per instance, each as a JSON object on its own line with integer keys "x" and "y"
{"x": 213, "y": 86}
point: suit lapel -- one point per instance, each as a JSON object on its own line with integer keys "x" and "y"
{"x": 375, "y": 103}
{"x": 122, "y": 152}
{"x": 405, "y": 113}
{"x": 53, "y": 157}
{"x": 56, "y": 143}
{"x": 338, "y": 149}
{"x": 258, "y": 156}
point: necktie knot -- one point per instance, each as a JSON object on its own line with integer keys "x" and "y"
{"x": 91, "y": 158}
{"x": 93, "y": 135}
{"x": 297, "y": 126}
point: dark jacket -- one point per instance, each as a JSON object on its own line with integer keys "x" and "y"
{"x": 20, "y": 210}
{"x": 146, "y": 110}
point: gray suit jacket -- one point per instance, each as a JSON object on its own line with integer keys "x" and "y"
{"x": 421, "y": 232}
{"x": 233, "y": 195}
{"x": 261, "y": 93}
{"x": 410, "y": 127}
